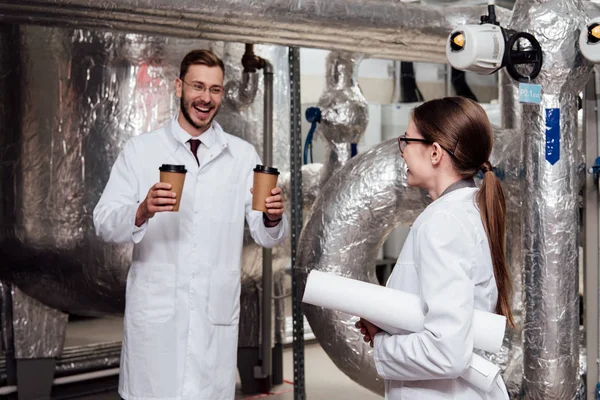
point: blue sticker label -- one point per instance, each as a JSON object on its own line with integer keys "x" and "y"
{"x": 530, "y": 93}
{"x": 552, "y": 135}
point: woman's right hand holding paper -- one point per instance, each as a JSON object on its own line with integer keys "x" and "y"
{"x": 368, "y": 330}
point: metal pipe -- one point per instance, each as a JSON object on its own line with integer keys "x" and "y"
{"x": 397, "y": 93}
{"x": 448, "y": 77}
{"x": 267, "y": 276}
{"x": 551, "y": 161}
{"x": 591, "y": 225}
{"x": 296, "y": 220}
{"x": 86, "y": 366}
{"x": 70, "y": 379}
{"x": 393, "y": 30}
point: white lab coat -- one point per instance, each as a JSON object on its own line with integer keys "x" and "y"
{"x": 446, "y": 261}
{"x": 183, "y": 287}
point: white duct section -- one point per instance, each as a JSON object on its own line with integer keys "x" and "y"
{"x": 383, "y": 29}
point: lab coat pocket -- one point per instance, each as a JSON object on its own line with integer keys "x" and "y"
{"x": 224, "y": 203}
{"x": 224, "y": 297}
{"x": 150, "y": 297}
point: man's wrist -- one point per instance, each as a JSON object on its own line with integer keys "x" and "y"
{"x": 269, "y": 223}
{"x": 139, "y": 219}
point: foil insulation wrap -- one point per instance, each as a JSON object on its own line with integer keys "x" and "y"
{"x": 355, "y": 211}
{"x": 39, "y": 331}
{"x": 79, "y": 95}
{"x": 88, "y": 358}
{"x": 6, "y": 321}
{"x": 344, "y": 111}
{"x": 506, "y": 158}
{"x": 509, "y": 101}
{"x": 382, "y": 29}
{"x": 351, "y": 218}
{"x": 551, "y": 164}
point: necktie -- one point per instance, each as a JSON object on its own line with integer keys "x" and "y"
{"x": 194, "y": 144}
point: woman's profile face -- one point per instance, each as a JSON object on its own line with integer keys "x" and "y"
{"x": 416, "y": 155}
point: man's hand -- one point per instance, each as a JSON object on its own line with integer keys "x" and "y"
{"x": 368, "y": 330}
{"x": 159, "y": 199}
{"x": 274, "y": 205}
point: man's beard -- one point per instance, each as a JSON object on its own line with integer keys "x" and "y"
{"x": 188, "y": 117}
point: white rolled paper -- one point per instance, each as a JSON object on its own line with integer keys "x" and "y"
{"x": 396, "y": 312}
{"x": 401, "y": 311}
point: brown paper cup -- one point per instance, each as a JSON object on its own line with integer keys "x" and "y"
{"x": 175, "y": 175}
{"x": 265, "y": 180}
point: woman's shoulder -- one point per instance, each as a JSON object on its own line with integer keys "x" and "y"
{"x": 456, "y": 204}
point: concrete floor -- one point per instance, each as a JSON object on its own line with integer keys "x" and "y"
{"x": 324, "y": 381}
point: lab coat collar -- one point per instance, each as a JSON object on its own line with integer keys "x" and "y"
{"x": 207, "y": 138}
{"x": 460, "y": 194}
{"x": 177, "y": 136}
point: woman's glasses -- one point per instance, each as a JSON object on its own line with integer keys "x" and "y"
{"x": 403, "y": 142}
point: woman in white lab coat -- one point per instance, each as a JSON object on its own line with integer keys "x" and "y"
{"x": 453, "y": 257}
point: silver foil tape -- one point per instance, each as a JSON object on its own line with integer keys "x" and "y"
{"x": 382, "y": 29}
{"x": 551, "y": 162}
{"x": 344, "y": 111}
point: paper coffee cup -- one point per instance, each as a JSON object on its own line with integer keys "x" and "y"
{"x": 175, "y": 175}
{"x": 265, "y": 180}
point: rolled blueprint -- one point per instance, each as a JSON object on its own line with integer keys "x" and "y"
{"x": 397, "y": 312}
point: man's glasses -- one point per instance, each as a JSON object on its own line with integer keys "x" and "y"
{"x": 199, "y": 87}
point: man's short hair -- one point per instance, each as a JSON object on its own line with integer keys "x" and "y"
{"x": 200, "y": 57}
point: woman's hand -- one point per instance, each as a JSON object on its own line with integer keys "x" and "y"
{"x": 368, "y": 330}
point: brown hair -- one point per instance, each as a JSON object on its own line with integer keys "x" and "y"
{"x": 200, "y": 57}
{"x": 461, "y": 126}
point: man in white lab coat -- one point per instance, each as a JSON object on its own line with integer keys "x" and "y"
{"x": 183, "y": 287}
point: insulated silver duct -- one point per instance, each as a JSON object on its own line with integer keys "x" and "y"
{"x": 344, "y": 111}
{"x": 551, "y": 163}
{"x": 39, "y": 331}
{"x": 78, "y": 97}
{"x": 88, "y": 358}
{"x": 383, "y": 29}
{"x": 356, "y": 210}
{"x": 510, "y": 357}
{"x": 506, "y": 158}
{"x": 81, "y": 95}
